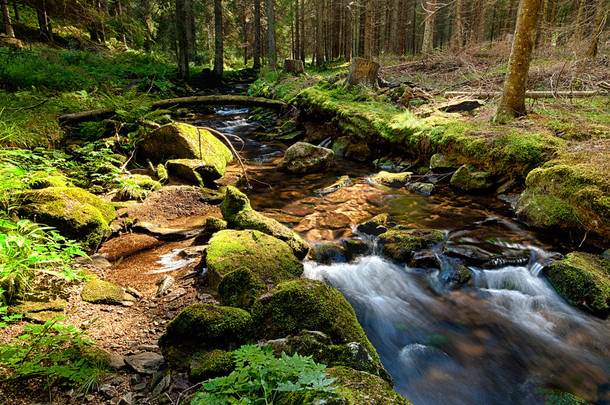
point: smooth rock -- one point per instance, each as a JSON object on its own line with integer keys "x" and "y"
{"x": 303, "y": 157}
{"x": 164, "y": 283}
{"x": 145, "y": 363}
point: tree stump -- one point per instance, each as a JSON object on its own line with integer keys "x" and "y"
{"x": 294, "y": 66}
{"x": 362, "y": 73}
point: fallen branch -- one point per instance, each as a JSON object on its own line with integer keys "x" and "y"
{"x": 174, "y": 102}
{"x": 528, "y": 94}
{"x": 30, "y": 106}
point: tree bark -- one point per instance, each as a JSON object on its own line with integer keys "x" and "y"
{"x": 294, "y": 66}
{"x": 257, "y": 35}
{"x": 428, "y": 41}
{"x": 363, "y": 73}
{"x": 600, "y": 21}
{"x": 6, "y": 14}
{"x": 458, "y": 31}
{"x": 512, "y": 103}
{"x": 218, "y": 40}
{"x": 271, "y": 51}
{"x": 319, "y": 46}
{"x": 368, "y": 30}
{"x": 183, "y": 48}
{"x": 577, "y": 31}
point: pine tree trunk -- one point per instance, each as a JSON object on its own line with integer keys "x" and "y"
{"x": 183, "y": 48}
{"x": 368, "y": 30}
{"x": 577, "y": 31}
{"x": 6, "y": 14}
{"x": 428, "y": 41}
{"x": 271, "y": 50}
{"x": 512, "y": 103}
{"x": 218, "y": 40}
{"x": 458, "y": 31}
{"x": 257, "y": 35}
{"x": 297, "y": 31}
{"x": 600, "y": 20}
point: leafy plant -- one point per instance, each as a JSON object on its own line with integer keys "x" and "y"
{"x": 50, "y": 350}
{"x": 262, "y": 378}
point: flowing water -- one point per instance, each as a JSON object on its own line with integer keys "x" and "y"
{"x": 494, "y": 341}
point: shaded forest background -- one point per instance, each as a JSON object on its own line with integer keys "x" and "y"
{"x": 229, "y": 33}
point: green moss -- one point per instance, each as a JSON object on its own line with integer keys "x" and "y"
{"x": 162, "y": 173}
{"x": 76, "y": 213}
{"x": 396, "y": 180}
{"x": 240, "y": 288}
{"x": 584, "y": 280}
{"x": 353, "y": 388}
{"x": 237, "y": 211}
{"x": 206, "y": 365}
{"x": 204, "y": 327}
{"x": 468, "y": 178}
{"x": 269, "y": 259}
{"x": 42, "y": 180}
{"x": 399, "y": 244}
{"x": 312, "y": 305}
{"x": 102, "y": 292}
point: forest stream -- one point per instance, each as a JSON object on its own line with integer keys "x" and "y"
{"x": 496, "y": 340}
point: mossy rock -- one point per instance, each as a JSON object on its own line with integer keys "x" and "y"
{"x": 137, "y": 187}
{"x": 237, "y": 211}
{"x": 194, "y": 171}
{"x": 240, "y": 288}
{"x": 353, "y": 388}
{"x": 395, "y": 180}
{"x": 399, "y": 244}
{"x": 572, "y": 191}
{"x": 212, "y": 225}
{"x": 183, "y": 141}
{"x": 375, "y": 226}
{"x": 269, "y": 259}
{"x": 75, "y": 212}
{"x": 440, "y": 163}
{"x": 102, "y": 292}
{"x": 584, "y": 280}
{"x": 304, "y": 157}
{"x": 204, "y": 327}
{"x": 468, "y": 178}
{"x": 39, "y": 311}
{"x": 308, "y": 304}
{"x": 43, "y": 180}
{"x": 215, "y": 363}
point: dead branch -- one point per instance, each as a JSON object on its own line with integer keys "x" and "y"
{"x": 30, "y": 106}
{"x": 230, "y": 145}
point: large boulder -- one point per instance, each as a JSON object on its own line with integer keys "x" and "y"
{"x": 583, "y": 279}
{"x": 194, "y": 171}
{"x": 204, "y": 327}
{"x": 237, "y": 211}
{"x": 75, "y": 212}
{"x": 400, "y": 244}
{"x": 572, "y": 191}
{"x": 240, "y": 263}
{"x": 304, "y": 157}
{"x": 309, "y": 304}
{"x": 183, "y": 141}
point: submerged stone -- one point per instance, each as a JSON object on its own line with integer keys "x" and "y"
{"x": 583, "y": 279}
{"x": 343, "y": 181}
{"x": 237, "y": 211}
{"x": 304, "y": 157}
{"x": 76, "y": 213}
{"x": 330, "y": 252}
{"x": 421, "y": 188}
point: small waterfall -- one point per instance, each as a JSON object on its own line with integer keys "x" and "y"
{"x": 495, "y": 341}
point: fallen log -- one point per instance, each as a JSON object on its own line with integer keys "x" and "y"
{"x": 225, "y": 100}
{"x": 528, "y": 94}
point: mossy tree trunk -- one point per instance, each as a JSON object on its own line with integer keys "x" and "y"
{"x": 512, "y": 103}
{"x": 8, "y": 25}
{"x": 362, "y": 72}
{"x": 600, "y": 21}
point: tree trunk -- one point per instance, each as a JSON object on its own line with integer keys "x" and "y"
{"x": 271, "y": 51}
{"x": 183, "y": 48}
{"x": 579, "y": 16}
{"x": 218, "y": 40}
{"x": 458, "y": 31}
{"x": 297, "y": 31}
{"x": 6, "y": 14}
{"x": 428, "y": 41}
{"x": 294, "y": 66}
{"x": 257, "y": 35}
{"x": 362, "y": 73}
{"x": 512, "y": 103}
{"x": 319, "y": 34}
{"x": 368, "y": 30}
{"x": 16, "y": 10}
{"x": 600, "y": 21}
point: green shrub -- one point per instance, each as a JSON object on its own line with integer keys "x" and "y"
{"x": 260, "y": 378}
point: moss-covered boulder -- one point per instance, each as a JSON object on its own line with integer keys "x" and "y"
{"x": 212, "y": 225}
{"x": 183, "y": 141}
{"x": 395, "y": 180}
{"x": 304, "y": 157}
{"x": 308, "y": 304}
{"x": 75, "y": 212}
{"x": 353, "y": 388}
{"x": 102, "y": 292}
{"x": 43, "y": 180}
{"x": 137, "y": 187}
{"x": 583, "y": 279}
{"x": 469, "y": 178}
{"x": 269, "y": 258}
{"x": 204, "y": 327}
{"x": 572, "y": 191}
{"x": 439, "y": 163}
{"x": 400, "y": 244}
{"x": 237, "y": 211}
{"x": 40, "y": 311}
{"x": 375, "y": 226}
{"x": 210, "y": 364}
{"x": 194, "y": 171}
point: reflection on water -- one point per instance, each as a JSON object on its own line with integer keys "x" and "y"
{"x": 493, "y": 343}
